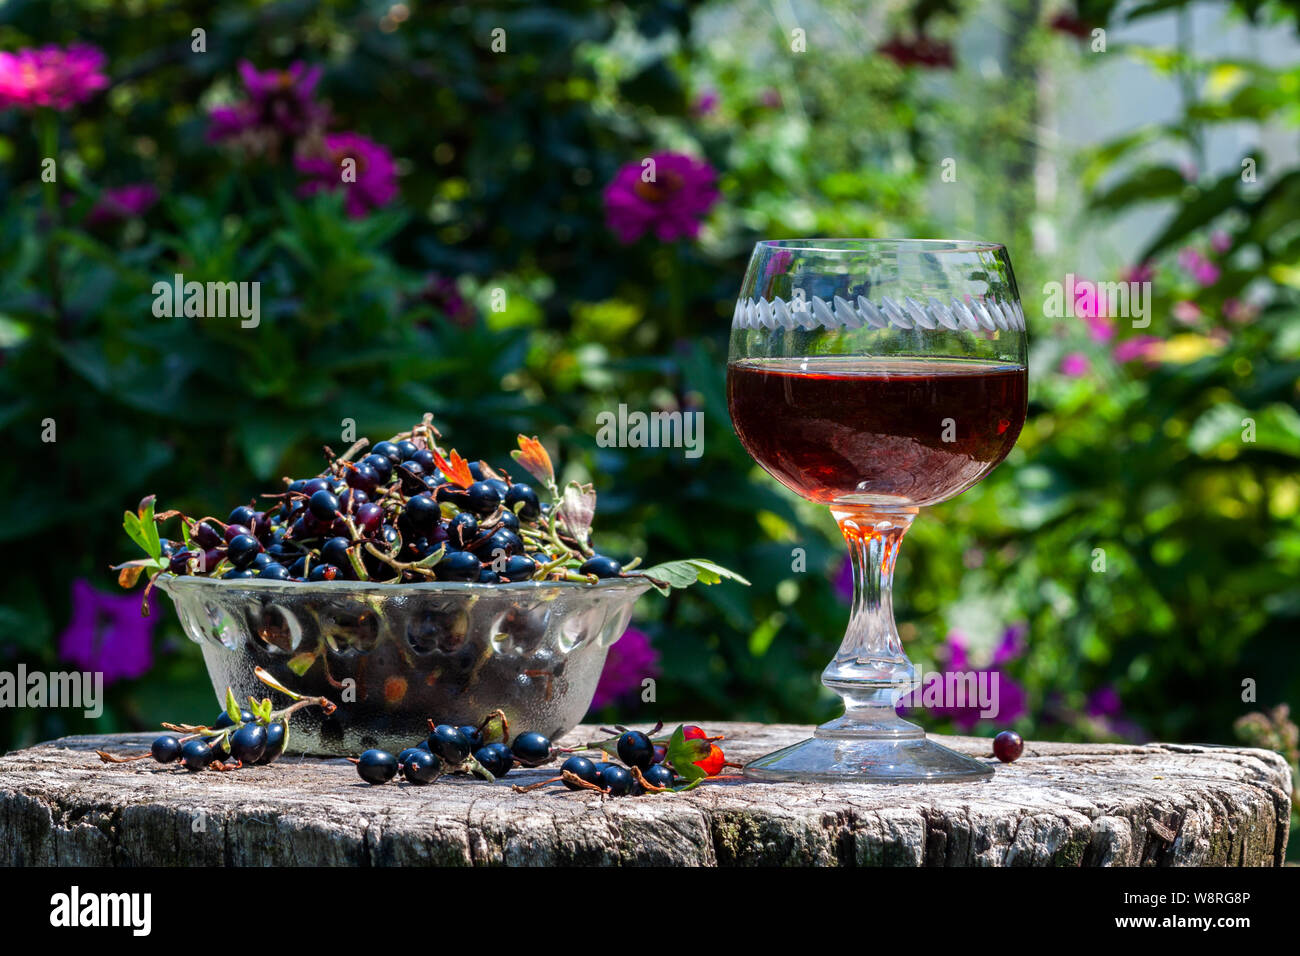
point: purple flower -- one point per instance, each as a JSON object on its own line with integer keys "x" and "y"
{"x": 1074, "y": 365}
{"x": 631, "y": 660}
{"x": 1186, "y": 311}
{"x": 1012, "y": 644}
{"x": 672, "y": 204}
{"x": 1201, "y": 269}
{"x": 52, "y": 76}
{"x": 1143, "y": 347}
{"x": 1012, "y": 701}
{"x": 280, "y": 103}
{"x": 443, "y": 294}
{"x": 124, "y": 202}
{"x": 770, "y": 97}
{"x": 1104, "y": 702}
{"x": 844, "y": 582}
{"x": 371, "y": 176}
{"x": 706, "y": 103}
{"x": 107, "y": 633}
{"x": 1220, "y": 241}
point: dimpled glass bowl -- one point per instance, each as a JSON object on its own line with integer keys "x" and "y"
{"x": 392, "y": 656}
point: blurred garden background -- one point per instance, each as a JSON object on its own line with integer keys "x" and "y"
{"x": 1131, "y": 564}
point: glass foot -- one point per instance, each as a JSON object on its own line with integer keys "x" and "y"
{"x": 834, "y": 759}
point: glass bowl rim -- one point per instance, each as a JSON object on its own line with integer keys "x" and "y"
{"x": 842, "y": 246}
{"x": 167, "y": 581}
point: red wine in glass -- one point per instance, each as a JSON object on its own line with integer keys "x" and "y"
{"x": 901, "y": 430}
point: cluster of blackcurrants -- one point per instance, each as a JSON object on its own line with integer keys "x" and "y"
{"x": 393, "y": 516}
{"x": 451, "y": 748}
{"x": 249, "y": 742}
{"x": 644, "y": 761}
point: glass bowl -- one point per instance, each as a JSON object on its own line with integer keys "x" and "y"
{"x": 392, "y": 656}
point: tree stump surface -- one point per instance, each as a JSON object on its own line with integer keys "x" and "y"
{"x": 1060, "y": 804}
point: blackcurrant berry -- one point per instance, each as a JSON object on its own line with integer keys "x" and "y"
{"x": 601, "y": 567}
{"x": 368, "y": 518}
{"x": 499, "y": 485}
{"x": 482, "y": 497}
{"x": 274, "y": 572}
{"x": 616, "y": 780}
{"x": 1007, "y": 746}
{"x": 243, "y": 548}
{"x": 363, "y": 477}
{"x": 180, "y": 562}
{"x": 472, "y": 735}
{"x": 531, "y": 748}
{"x": 449, "y": 743}
{"x": 635, "y": 749}
{"x": 323, "y": 506}
{"x": 500, "y": 543}
{"x": 405, "y": 755}
{"x": 424, "y": 458}
{"x": 520, "y": 567}
{"x": 389, "y": 451}
{"x": 166, "y": 749}
{"x": 242, "y": 515}
{"x": 277, "y": 735}
{"x": 450, "y": 494}
{"x": 207, "y": 536}
{"x": 580, "y": 767}
{"x": 248, "y": 743}
{"x": 324, "y": 572}
{"x": 658, "y": 775}
{"x": 508, "y": 520}
{"x": 312, "y": 485}
{"x": 195, "y": 754}
{"x": 406, "y": 450}
{"x": 236, "y": 573}
{"x": 382, "y": 466}
{"x": 223, "y": 719}
{"x": 377, "y": 766}
{"x": 496, "y": 759}
{"x": 421, "y": 767}
{"x": 422, "y": 511}
{"x": 459, "y": 566}
{"x": 462, "y": 529}
{"x": 520, "y": 493}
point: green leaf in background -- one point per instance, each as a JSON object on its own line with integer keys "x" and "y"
{"x": 684, "y": 573}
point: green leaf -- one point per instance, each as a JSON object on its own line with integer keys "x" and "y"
{"x": 149, "y": 528}
{"x": 300, "y": 664}
{"x": 132, "y": 525}
{"x": 682, "y": 574}
{"x": 232, "y": 705}
{"x": 683, "y": 753}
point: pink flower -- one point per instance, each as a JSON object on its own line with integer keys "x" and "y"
{"x": 51, "y": 76}
{"x": 770, "y": 97}
{"x": 1198, "y": 267}
{"x": 1186, "y": 312}
{"x": 124, "y": 202}
{"x": 1142, "y": 272}
{"x": 107, "y": 633}
{"x": 631, "y": 660}
{"x": 280, "y": 103}
{"x": 672, "y": 205}
{"x": 1074, "y": 365}
{"x": 375, "y": 182}
{"x": 1234, "y": 310}
{"x": 1220, "y": 241}
{"x": 1142, "y": 347}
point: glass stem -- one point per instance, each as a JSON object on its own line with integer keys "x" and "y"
{"x": 870, "y": 671}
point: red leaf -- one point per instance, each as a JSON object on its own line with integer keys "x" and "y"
{"x": 533, "y": 457}
{"x": 456, "y": 470}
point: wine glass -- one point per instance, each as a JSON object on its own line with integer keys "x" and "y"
{"x": 876, "y": 376}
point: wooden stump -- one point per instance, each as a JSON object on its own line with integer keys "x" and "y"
{"x": 1059, "y": 805}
